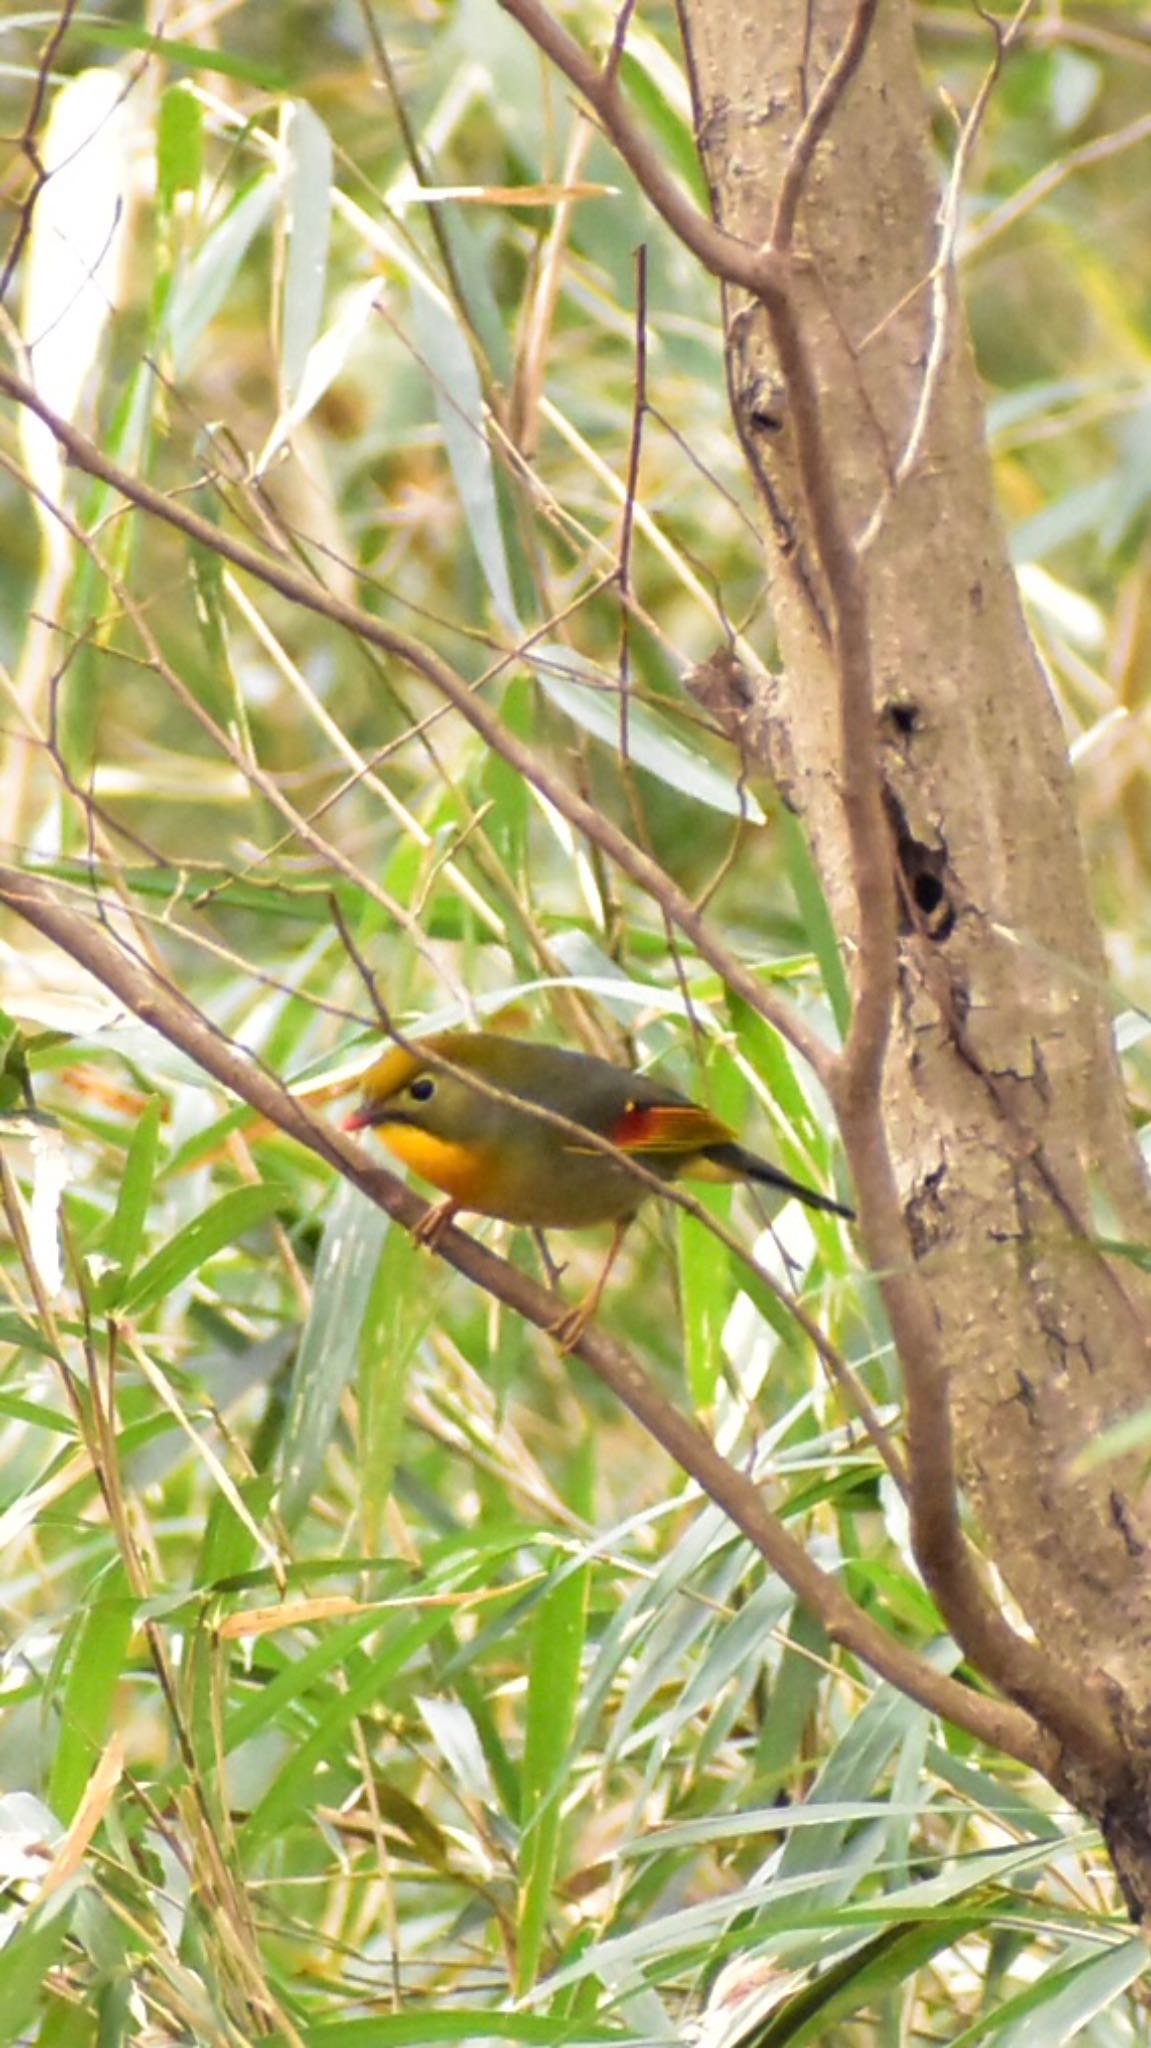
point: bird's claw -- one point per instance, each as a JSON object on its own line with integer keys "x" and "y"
{"x": 433, "y": 1223}
{"x": 567, "y": 1329}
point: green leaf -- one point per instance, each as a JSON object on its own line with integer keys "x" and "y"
{"x": 1129, "y": 1435}
{"x": 29, "y": 1954}
{"x": 293, "y": 1788}
{"x": 309, "y": 206}
{"x": 179, "y": 144}
{"x": 201, "y": 291}
{"x": 705, "y": 1287}
{"x": 641, "y": 71}
{"x": 1120, "y": 1248}
{"x": 197, "y": 57}
{"x": 507, "y": 824}
{"x": 850, "y": 1773}
{"x": 794, "y": 1693}
{"x": 887, "y": 1960}
{"x": 553, "y": 1692}
{"x": 402, "y": 1300}
{"x": 478, "y": 2024}
{"x": 769, "y": 1056}
{"x": 220, "y": 1225}
{"x": 125, "y": 1232}
{"x": 229, "y": 1546}
{"x": 354, "y": 1234}
{"x": 95, "y": 1672}
{"x": 15, "y": 1081}
{"x": 14, "y": 1329}
{"x": 459, "y": 402}
{"x": 812, "y": 904}
{"x": 1063, "y": 2001}
{"x": 651, "y": 742}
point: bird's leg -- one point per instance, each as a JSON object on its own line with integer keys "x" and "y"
{"x": 433, "y": 1223}
{"x": 554, "y": 1273}
{"x": 569, "y": 1328}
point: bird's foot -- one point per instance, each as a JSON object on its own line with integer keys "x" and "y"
{"x": 569, "y": 1328}
{"x": 433, "y": 1223}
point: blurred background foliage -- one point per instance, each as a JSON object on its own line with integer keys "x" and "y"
{"x": 366, "y": 1677}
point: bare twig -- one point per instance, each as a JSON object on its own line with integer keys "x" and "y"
{"x": 942, "y": 278}
{"x": 631, "y": 487}
{"x": 619, "y": 38}
{"x": 855, "y": 1079}
{"x": 817, "y": 120}
{"x": 298, "y": 589}
{"x": 758, "y": 271}
{"x": 166, "y": 1010}
{"x": 28, "y": 145}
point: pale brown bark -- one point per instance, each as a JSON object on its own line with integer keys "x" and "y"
{"x": 1002, "y": 1104}
{"x": 978, "y": 1092}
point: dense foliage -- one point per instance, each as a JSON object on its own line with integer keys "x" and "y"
{"x": 367, "y": 1677}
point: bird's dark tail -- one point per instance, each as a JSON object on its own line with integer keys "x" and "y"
{"x": 734, "y": 1163}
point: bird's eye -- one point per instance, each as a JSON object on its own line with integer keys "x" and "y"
{"x": 423, "y": 1089}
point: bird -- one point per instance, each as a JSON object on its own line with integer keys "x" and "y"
{"x": 508, "y": 1127}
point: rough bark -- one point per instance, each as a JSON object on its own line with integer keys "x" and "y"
{"x": 1003, "y": 1103}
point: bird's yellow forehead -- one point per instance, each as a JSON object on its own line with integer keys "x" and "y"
{"x": 392, "y": 1072}
{"x": 401, "y": 1062}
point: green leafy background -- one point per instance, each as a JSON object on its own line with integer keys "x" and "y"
{"x": 415, "y": 1697}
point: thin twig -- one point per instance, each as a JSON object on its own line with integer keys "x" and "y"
{"x": 645, "y": 872}
{"x": 943, "y": 280}
{"x": 817, "y": 120}
{"x": 631, "y": 488}
{"x": 855, "y": 1079}
{"x": 28, "y": 146}
{"x": 723, "y": 255}
{"x": 161, "y": 1006}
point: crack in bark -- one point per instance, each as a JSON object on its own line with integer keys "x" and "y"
{"x": 926, "y": 897}
{"x": 1121, "y": 1516}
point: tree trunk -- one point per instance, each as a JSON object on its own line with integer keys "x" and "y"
{"x": 1002, "y": 1100}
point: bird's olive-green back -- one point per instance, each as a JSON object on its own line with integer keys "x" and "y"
{"x": 528, "y": 1170}
{"x": 589, "y": 1091}
{"x": 474, "y": 1094}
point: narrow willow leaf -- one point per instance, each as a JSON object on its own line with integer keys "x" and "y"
{"x": 179, "y": 144}
{"x": 125, "y": 1232}
{"x": 225, "y": 1221}
{"x": 651, "y": 742}
{"x": 95, "y": 1671}
{"x": 553, "y": 1693}
{"x": 31, "y": 1951}
{"x": 401, "y": 1303}
{"x": 354, "y": 1233}
{"x": 705, "y": 1294}
{"x": 812, "y": 903}
{"x": 308, "y": 202}
{"x": 1062, "y": 2003}
{"x": 460, "y": 409}
{"x": 201, "y": 291}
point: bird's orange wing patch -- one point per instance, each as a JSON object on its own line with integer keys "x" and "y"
{"x": 668, "y": 1127}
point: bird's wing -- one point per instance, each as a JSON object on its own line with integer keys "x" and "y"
{"x": 668, "y": 1127}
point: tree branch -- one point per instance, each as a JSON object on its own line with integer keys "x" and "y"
{"x": 832, "y": 87}
{"x": 855, "y": 1079}
{"x": 724, "y": 255}
{"x": 169, "y": 1012}
{"x": 640, "y": 868}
